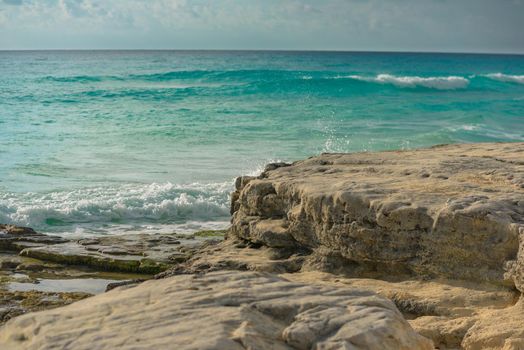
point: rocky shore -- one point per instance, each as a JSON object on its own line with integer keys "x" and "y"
{"x": 39, "y": 272}
{"x": 414, "y": 249}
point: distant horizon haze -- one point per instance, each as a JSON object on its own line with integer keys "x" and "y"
{"x": 270, "y": 50}
{"x": 443, "y": 26}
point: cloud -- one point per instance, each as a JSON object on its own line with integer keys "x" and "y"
{"x": 75, "y": 8}
{"x": 436, "y": 25}
{"x": 13, "y": 2}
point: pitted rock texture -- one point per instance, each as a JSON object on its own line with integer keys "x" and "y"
{"x": 442, "y": 310}
{"x": 454, "y": 211}
{"x": 220, "y": 310}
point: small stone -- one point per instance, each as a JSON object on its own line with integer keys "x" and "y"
{"x": 34, "y": 267}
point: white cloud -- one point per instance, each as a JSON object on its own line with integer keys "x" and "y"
{"x": 328, "y": 24}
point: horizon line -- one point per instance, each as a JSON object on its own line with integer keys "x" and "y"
{"x": 280, "y": 50}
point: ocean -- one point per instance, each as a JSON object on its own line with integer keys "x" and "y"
{"x": 110, "y": 142}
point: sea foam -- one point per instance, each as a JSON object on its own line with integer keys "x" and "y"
{"x": 125, "y": 204}
{"x": 506, "y": 77}
{"x": 440, "y": 83}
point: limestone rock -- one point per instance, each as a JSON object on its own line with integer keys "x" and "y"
{"x": 220, "y": 310}
{"x": 139, "y": 253}
{"x": 453, "y": 211}
{"x": 16, "y": 238}
{"x": 498, "y": 329}
{"x": 102, "y": 258}
{"x": 15, "y": 303}
{"x": 447, "y": 312}
{"x": 442, "y": 310}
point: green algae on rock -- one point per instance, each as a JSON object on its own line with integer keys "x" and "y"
{"x": 15, "y": 303}
{"x": 75, "y": 254}
{"x": 137, "y": 253}
{"x": 210, "y": 233}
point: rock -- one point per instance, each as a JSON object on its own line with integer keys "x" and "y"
{"x": 126, "y": 283}
{"x": 9, "y": 264}
{"x": 498, "y": 329}
{"x": 439, "y": 309}
{"x": 74, "y": 254}
{"x": 229, "y": 255}
{"x": 15, "y": 303}
{"x": 222, "y": 310}
{"x": 17, "y": 238}
{"x": 444, "y": 311}
{"x": 17, "y": 230}
{"x": 33, "y": 266}
{"x": 139, "y": 253}
{"x": 453, "y": 211}
{"x": 210, "y": 233}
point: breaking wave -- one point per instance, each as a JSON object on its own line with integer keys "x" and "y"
{"x": 506, "y": 78}
{"x": 125, "y": 204}
{"x": 440, "y": 83}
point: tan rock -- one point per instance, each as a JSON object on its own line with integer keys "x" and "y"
{"x": 498, "y": 329}
{"x": 450, "y": 313}
{"x": 442, "y": 310}
{"x": 452, "y": 211}
{"x": 220, "y": 310}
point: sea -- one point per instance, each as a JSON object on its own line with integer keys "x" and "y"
{"x": 113, "y": 142}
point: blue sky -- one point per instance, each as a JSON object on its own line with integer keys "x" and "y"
{"x": 387, "y": 25}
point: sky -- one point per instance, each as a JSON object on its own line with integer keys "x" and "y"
{"x": 353, "y": 25}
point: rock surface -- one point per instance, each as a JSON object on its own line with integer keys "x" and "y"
{"x": 138, "y": 253}
{"x": 39, "y": 271}
{"x": 442, "y": 310}
{"x": 17, "y": 238}
{"x": 498, "y": 329}
{"x": 452, "y": 211}
{"x": 220, "y": 310}
{"x": 15, "y": 303}
{"x": 128, "y": 253}
{"x": 453, "y": 314}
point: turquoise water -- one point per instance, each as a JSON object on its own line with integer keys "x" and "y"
{"x": 110, "y": 142}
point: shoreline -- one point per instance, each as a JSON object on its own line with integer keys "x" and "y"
{"x": 39, "y": 271}
{"x": 432, "y": 237}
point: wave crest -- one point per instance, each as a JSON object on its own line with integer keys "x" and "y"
{"x": 440, "y": 83}
{"x": 154, "y": 203}
{"x": 506, "y": 77}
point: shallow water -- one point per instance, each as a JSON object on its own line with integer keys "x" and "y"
{"x": 150, "y": 141}
{"x": 86, "y": 285}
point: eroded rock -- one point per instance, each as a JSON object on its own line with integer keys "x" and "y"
{"x": 451, "y": 211}
{"x": 220, "y": 310}
{"x": 442, "y": 310}
{"x": 15, "y": 303}
{"x": 16, "y": 238}
{"x": 140, "y": 253}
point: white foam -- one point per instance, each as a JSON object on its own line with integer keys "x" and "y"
{"x": 258, "y": 168}
{"x": 440, "y": 83}
{"x": 464, "y": 127}
{"x": 506, "y": 77}
{"x": 122, "y": 205}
